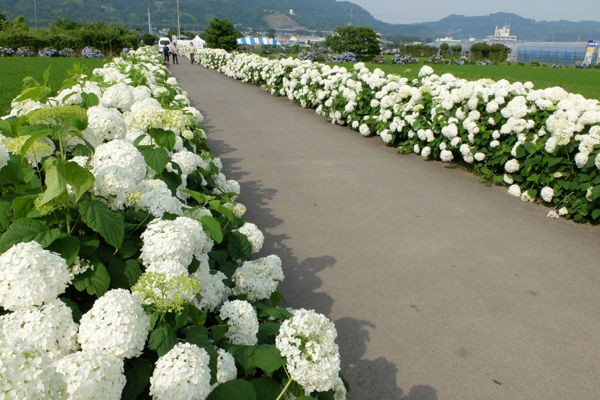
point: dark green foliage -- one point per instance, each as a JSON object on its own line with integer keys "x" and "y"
{"x": 495, "y": 52}
{"x": 360, "y": 40}
{"x": 221, "y": 34}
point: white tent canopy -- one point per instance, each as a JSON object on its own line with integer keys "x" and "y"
{"x": 197, "y": 41}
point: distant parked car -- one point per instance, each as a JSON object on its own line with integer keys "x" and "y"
{"x": 162, "y": 42}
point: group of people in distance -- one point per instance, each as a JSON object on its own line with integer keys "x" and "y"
{"x": 171, "y": 52}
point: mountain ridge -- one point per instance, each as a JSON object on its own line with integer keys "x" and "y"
{"x": 313, "y": 15}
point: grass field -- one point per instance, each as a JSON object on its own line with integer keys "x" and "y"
{"x": 14, "y": 69}
{"x": 583, "y": 81}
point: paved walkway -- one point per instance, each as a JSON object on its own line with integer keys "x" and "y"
{"x": 441, "y": 288}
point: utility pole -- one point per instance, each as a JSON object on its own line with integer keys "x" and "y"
{"x": 178, "y": 24}
{"x": 35, "y": 13}
{"x": 351, "y": 12}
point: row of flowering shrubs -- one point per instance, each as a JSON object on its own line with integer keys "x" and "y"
{"x": 543, "y": 144}
{"x": 126, "y": 267}
{"x": 87, "y": 52}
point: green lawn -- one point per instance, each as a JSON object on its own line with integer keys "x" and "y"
{"x": 14, "y": 69}
{"x": 583, "y": 81}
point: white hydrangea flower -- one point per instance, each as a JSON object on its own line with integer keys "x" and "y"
{"x": 307, "y": 341}
{"x": 25, "y": 267}
{"x": 51, "y": 327}
{"x": 156, "y": 198}
{"x": 253, "y": 234}
{"x": 92, "y": 375}
{"x": 189, "y": 162}
{"x": 258, "y": 279}
{"x": 242, "y": 320}
{"x": 526, "y": 197}
{"x": 122, "y": 154}
{"x": 563, "y": 211}
{"x": 226, "y": 369}
{"x": 174, "y": 241}
{"x": 425, "y": 70}
{"x": 4, "y": 154}
{"x": 41, "y": 148}
{"x": 514, "y": 190}
{"x": 446, "y": 155}
{"x": 425, "y": 152}
{"x": 213, "y": 291}
{"x": 581, "y": 159}
{"x": 27, "y": 372}
{"x": 116, "y": 324}
{"x": 225, "y": 185}
{"x": 104, "y": 124}
{"x": 547, "y": 194}
{"x": 597, "y": 161}
{"x": 182, "y": 373}
{"x": 552, "y": 214}
{"x": 118, "y": 96}
{"x": 512, "y": 166}
{"x": 479, "y": 156}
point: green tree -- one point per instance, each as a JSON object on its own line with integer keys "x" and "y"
{"x": 456, "y": 50}
{"x": 360, "y": 40}
{"x": 148, "y": 39}
{"x": 221, "y": 34}
{"x": 2, "y": 21}
{"x": 444, "y": 47}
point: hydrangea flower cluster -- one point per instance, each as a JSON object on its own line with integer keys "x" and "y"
{"x": 258, "y": 279}
{"x": 242, "y": 320}
{"x": 92, "y": 375}
{"x": 307, "y": 341}
{"x": 28, "y": 373}
{"x": 28, "y": 265}
{"x": 182, "y": 373}
{"x": 117, "y": 325}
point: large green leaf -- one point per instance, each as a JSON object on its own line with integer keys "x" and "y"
{"x": 67, "y": 247}
{"x": 156, "y": 158}
{"x": 162, "y": 339}
{"x": 268, "y": 358}
{"x": 56, "y": 182}
{"x": 26, "y": 230}
{"x": 80, "y": 179}
{"x": 239, "y": 247}
{"x": 237, "y": 389}
{"x": 23, "y": 205}
{"x": 163, "y": 138}
{"x": 213, "y": 227}
{"x": 5, "y": 212}
{"x": 137, "y": 373}
{"x": 124, "y": 274}
{"x": 101, "y": 219}
{"x": 94, "y": 281}
{"x": 266, "y": 388}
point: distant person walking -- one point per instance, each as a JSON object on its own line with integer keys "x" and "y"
{"x": 192, "y": 51}
{"x": 174, "y": 53}
{"x": 165, "y": 50}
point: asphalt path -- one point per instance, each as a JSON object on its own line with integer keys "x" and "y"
{"x": 441, "y": 287}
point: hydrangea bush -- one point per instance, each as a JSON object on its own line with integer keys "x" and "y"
{"x": 126, "y": 266}
{"x": 543, "y": 144}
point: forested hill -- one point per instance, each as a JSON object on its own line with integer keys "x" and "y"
{"x": 316, "y": 15}
{"x": 319, "y": 15}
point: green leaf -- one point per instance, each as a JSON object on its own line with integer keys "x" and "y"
{"x": 596, "y": 214}
{"x": 239, "y": 247}
{"x": 56, "y": 183}
{"x": 163, "y": 138}
{"x": 162, "y": 339}
{"x": 26, "y": 230}
{"x": 156, "y": 158}
{"x": 80, "y": 179}
{"x": 90, "y": 99}
{"x": 276, "y": 312}
{"x": 94, "y": 281}
{"x": 213, "y": 227}
{"x": 237, "y": 389}
{"x": 137, "y": 374}
{"x": 101, "y": 219}
{"x": 199, "y": 197}
{"x": 4, "y": 215}
{"x": 595, "y": 193}
{"x": 268, "y": 358}
{"x": 220, "y": 256}
{"x": 22, "y": 206}
{"x": 266, "y": 388}
{"x": 89, "y": 245}
{"x": 218, "y": 207}
{"x": 267, "y": 331}
{"x": 124, "y": 274}
{"x": 67, "y": 247}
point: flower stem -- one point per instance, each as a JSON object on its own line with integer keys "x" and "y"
{"x": 287, "y": 385}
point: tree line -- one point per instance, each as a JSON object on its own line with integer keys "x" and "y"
{"x": 66, "y": 33}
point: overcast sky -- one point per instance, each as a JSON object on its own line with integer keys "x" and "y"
{"x": 407, "y": 12}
